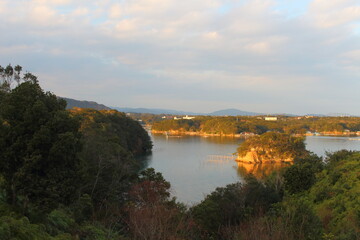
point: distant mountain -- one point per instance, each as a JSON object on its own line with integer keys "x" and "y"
{"x": 339, "y": 115}
{"x": 90, "y": 104}
{"x": 283, "y": 114}
{"x": 225, "y": 112}
{"x": 316, "y": 115}
{"x": 84, "y": 104}
{"x": 332, "y": 115}
{"x": 155, "y": 111}
{"x": 233, "y": 112}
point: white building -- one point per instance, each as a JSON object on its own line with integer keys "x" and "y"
{"x": 271, "y": 118}
{"x": 188, "y": 118}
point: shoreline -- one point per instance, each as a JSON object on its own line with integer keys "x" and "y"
{"x": 180, "y": 133}
{"x": 246, "y": 135}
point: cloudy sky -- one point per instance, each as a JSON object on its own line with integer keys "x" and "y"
{"x": 270, "y": 56}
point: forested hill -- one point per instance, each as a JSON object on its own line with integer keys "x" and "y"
{"x": 63, "y": 174}
{"x": 259, "y": 125}
{"x": 84, "y": 104}
{"x": 110, "y": 127}
{"x": 271, "y": 147}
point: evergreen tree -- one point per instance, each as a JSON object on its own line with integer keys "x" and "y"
{"x": 38, "y": 148}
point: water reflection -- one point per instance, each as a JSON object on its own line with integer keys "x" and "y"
{"x": 258, "y": 170}
{"x": 224, "y": 140}
{"x": 209, "y": 139}
{"x": 195, "y": 165}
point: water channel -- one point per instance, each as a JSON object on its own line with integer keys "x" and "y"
{"x": 195, "y": 165}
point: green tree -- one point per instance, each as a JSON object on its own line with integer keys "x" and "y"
{"x": 273, "y": 146}
{"x": 336, "y": 193}
{"x": 302, "y": 174}
{"x": 39, "y": 146}
{"x": 110, "y": 142}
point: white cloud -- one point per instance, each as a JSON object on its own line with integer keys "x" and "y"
{"x": 329, "y": 5}
{"x": 42, "y": 14}
{"x": 332, "y": 13}
{"x": 80, "y": 11}
{"x": 259, "y": 47}
{"x": 115, "y": 11}
{"x": 52, "y": 2}
{"x": 2, "y": 6}
{"x": 354, "y": 54}
{"x": 126, "y": 25}
{"x": 170, "y": 44}
{"x": 211, "y": 35}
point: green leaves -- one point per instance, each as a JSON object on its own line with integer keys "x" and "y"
{"x": 39, "y": 148}
{"x": 273, "y": 147}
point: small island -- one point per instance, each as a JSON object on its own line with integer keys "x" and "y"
{"x": 271, "y": 147}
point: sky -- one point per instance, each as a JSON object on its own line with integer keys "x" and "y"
{"x": 267, "y": 56}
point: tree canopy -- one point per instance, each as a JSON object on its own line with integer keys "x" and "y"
{"x": 39, "y": 146}
{"x": 273, "y": 146}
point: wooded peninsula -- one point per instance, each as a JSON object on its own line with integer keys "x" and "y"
{"x": 244, "y": 126}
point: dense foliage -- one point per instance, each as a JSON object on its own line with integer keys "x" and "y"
{"x": 64, "y": 175}
{"x": 234, "y": 204}
{"x": 336, "y": 195}
{"x": 110, "y": 141}
{"x": 39, "y": 147}
{"x": 272, "y": 146}
{"x": 258, "y": 125}
{"x": 308, "y": 200}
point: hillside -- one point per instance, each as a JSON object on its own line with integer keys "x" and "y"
{"x": 84, "y": 104}
{"x": 154, "y": 111}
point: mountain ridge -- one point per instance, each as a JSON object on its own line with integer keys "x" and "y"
{"x": 84, "y": 104}
{"x": 223, "y": 112}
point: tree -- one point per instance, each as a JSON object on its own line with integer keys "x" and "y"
{"x": 10, "y": 74}
{"x": 110, "y": 140}
{"x": 38, "y": 148}
{"x": 302, "y": 175}
{"x": 273, "y": 146}
{"x": 151, "y": 214}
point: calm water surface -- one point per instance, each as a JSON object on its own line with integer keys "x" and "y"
{"x": 194, "y": 167}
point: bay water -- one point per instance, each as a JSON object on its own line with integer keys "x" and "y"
{"x": 195, "y": 166}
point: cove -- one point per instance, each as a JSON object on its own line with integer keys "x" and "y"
{"x": 196, "y": 165}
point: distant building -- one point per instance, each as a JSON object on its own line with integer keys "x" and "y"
{"x": 176, "y": 118}
{"x": 188, "y": 118}
{"x": 271, "y": 118}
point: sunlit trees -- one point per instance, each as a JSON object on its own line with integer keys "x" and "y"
{"x": 274, "y": 146}
{"x": 336, "y": 193}
{"x": 257, "y": 125}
